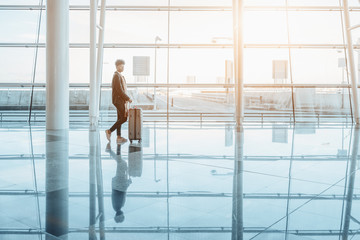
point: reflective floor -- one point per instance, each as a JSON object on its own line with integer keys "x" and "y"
{"x": 183, "y": 181}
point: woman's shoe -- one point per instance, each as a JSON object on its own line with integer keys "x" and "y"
{"x": 120, "y": 140}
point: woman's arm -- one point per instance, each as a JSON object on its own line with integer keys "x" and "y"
{"x": 122, "y": 94}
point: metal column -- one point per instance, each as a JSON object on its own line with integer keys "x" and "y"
{"x": 350, "y": 51}
{"x": 157, "y": 38}
{"x": 100, "y": 56}
{"x": 350, "y": 188}
{"x": 358, "y": 67}
{"x": 96, "y": 64}
{"x": 237, "y": 231}
{"x": 57, "y": 118}
{"x": 57, "y": 64}
{"x": 92, "y": 182}
{"x": 238, "y": 10}
{"x": 96, "y": 184}
{"x": 92, "y": 100}
{"x": 57, "y": 184}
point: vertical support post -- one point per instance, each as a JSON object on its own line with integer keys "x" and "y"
{"x": 93, "y": 85}
{"x": 155, "y": 60}
{"x": 100, "y": 57}
{"x": 92, "y": 181}
{"x": 168, "y": 65}
{"x": 100, "y": 187}
{"x": 57, "y": 183}
{"x": 358, "y": 66}
{"x": 289, "y": 187}
{"x": 157, "y": 38}
{"x": 350, "y": 50}
{"x": 57, "y": 118}
{"x": 350, "y": 187}
{"x": 237, "y": 232}
{"x": 57, "y": 65}
{"x": 238, "y": 10}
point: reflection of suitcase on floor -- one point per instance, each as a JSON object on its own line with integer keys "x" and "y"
{"x": 135, "y": 124}
{"x": 135, "y": 160}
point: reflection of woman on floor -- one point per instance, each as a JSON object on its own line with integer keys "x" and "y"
{"x": 119, "y": 183}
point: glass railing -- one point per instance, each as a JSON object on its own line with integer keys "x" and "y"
{"x": 191, "y": 102}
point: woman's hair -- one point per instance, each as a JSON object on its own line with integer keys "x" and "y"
{"x": 119, "y": 61}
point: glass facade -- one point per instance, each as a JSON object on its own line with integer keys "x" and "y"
{"x": 191, "y": 42}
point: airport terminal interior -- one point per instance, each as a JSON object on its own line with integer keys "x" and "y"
{"x": 244, "y": 120}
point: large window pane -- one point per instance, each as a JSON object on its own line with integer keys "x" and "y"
{"x": 315, "y": 27}
{"x": 127, "y": 54}
{"x": 16, "y": 64}
{"x": 272, "y": 29}
{"x": 318, "y": 66}
{"x": 200, "y": 27}
{"x": 79, "y": 27}
{"x": 79, "y": 65}
{"x": 198, "y": 65}
{"x": 354, "y": 20}
{"x": 258, "y": 65}
{"x": 135, "y": 26}
{"x": 40, "y": 76}
{"x": 18, "y": 26}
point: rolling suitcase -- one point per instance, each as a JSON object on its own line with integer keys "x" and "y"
{"x": 135, "y": 124}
